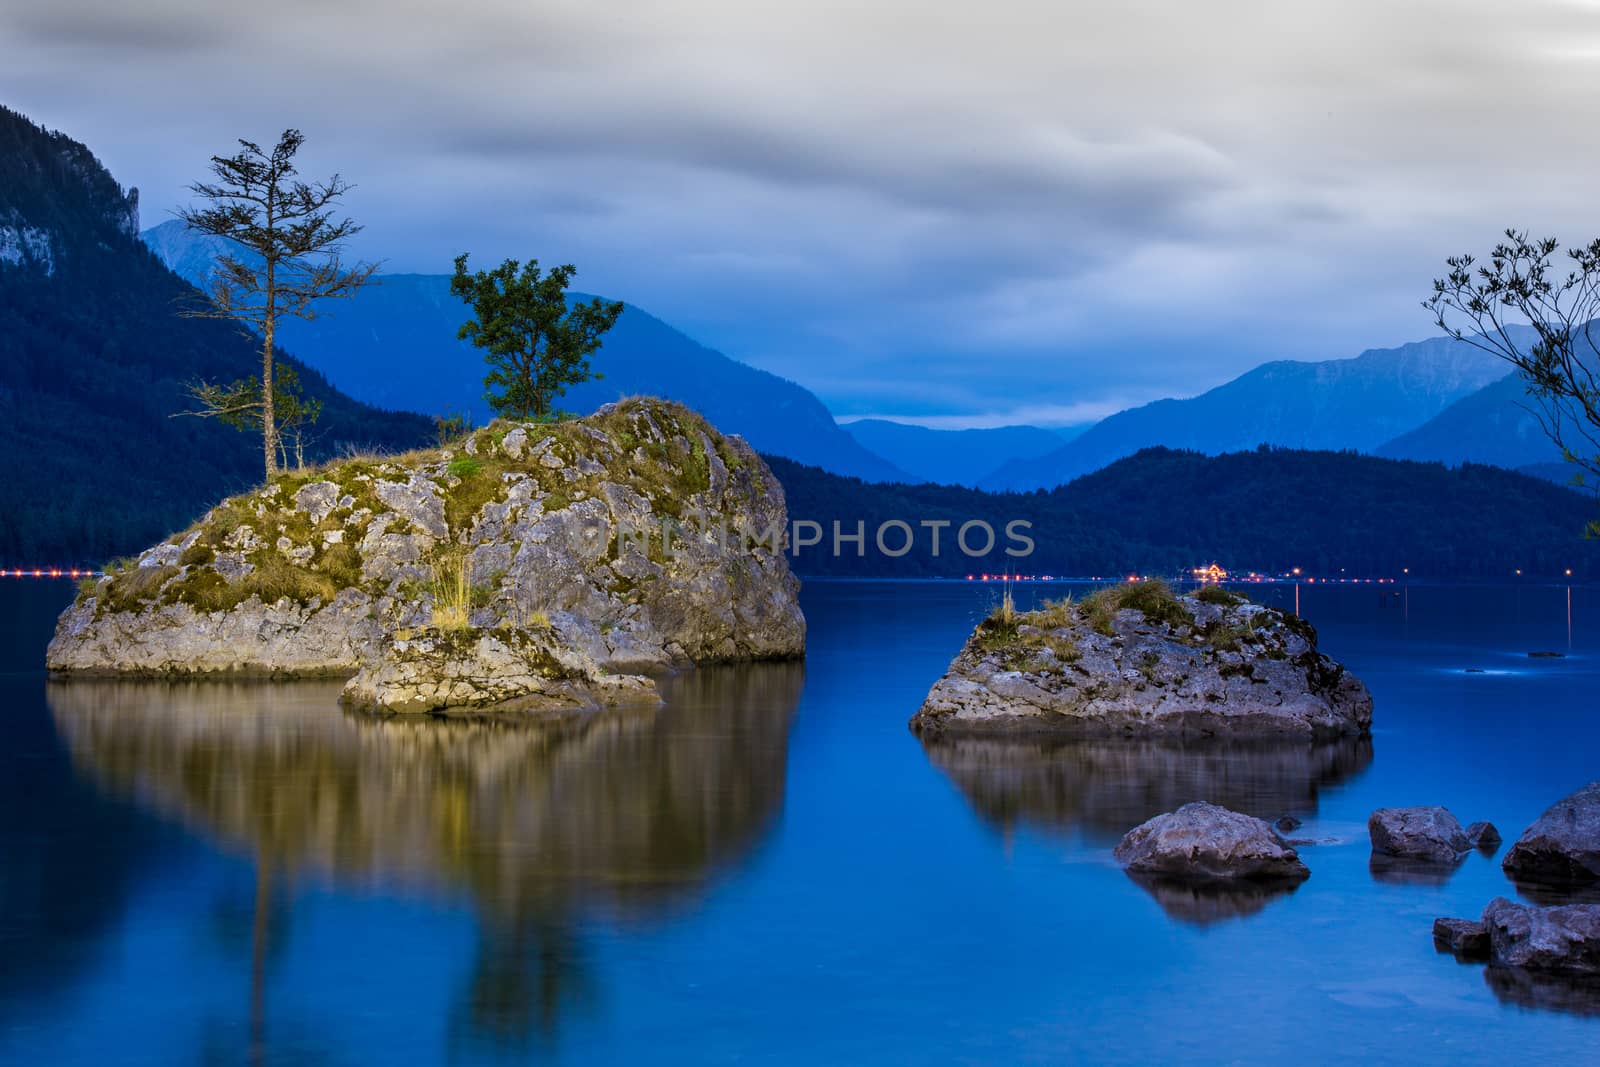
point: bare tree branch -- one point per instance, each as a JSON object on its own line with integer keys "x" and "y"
{"x": 1520, "y": 307}
{"x": 288, "y": 259}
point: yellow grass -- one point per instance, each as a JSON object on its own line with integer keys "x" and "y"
{"x": 452, "y": 592}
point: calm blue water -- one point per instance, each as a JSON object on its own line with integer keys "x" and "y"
{"x": 770, "y": 870}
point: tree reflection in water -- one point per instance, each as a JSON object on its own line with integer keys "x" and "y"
{"x": 544, "y": 823}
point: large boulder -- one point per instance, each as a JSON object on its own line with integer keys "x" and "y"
{"x": 1430, "y": 834}
{"x": 1563, "y": 939}
{"x": 640, "y": 536}
{"x": 1204, "y": 842}
{"x": 1135, "y": 660}
{"x": 1561, "y": 849}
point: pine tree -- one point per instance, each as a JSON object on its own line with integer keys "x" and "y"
{"x": 288, "y": 259}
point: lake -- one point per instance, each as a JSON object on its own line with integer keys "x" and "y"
{"x": 772, "y": 868}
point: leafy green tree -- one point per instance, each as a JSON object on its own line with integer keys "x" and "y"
{"x": 535, "y": 344}
{"x": 290, "y": 245}
{"x": 1540, "y": 316}
{"x": 243, "y": 405}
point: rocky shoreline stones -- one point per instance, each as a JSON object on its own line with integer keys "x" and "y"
{"x": 1547, "y": 954}
{"x": 1562, "y": 938}
{"x": 1559, "y": 939}
{"x": 638, "y": 539}
{"x": 1561, "y": 850}
{"x": 1137, "y": 661}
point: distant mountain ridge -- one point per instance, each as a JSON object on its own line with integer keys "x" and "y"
{"x": 1163, "y": 511}
{"x": 1358, "y": 403}
{"x": 1493, "y": 425}
{"x": 394, "y": 344}
{"x": 952, "y": 457}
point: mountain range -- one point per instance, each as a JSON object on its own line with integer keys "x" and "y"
{"x": 1494, "y": 425}
{"x": 1358, "y": 404}
{"x": 954, "y": 457}
{"x": 394, "y": 344}
{"x": 94, "y": 360}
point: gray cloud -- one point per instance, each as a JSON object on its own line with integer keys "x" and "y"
{"x": 917, "y": 210}
{"x": 112, "y": 26}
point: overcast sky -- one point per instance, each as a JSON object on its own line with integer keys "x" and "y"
{"x": 965, "y": 214}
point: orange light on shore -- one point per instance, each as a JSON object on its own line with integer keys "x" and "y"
{"x": 48, "y": 572}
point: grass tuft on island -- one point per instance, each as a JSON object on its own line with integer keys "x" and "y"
{"x": 1153, "y": 598}
{"x": 1021, "y": 636}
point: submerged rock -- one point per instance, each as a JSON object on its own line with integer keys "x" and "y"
{"x": 1466, "y": 939}
{"x": 638, "y": 537}
{"x": 1561, "y": 850}
{"x": 1429, "y": 834}
{"x": 1484, "y": 836}
{"x": 1204, "y": 842}
{"x": 1134, "y": 660}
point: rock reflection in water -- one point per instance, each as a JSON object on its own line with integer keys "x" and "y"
{"x": 1567, "y": 994}
{"x": 1406, "y": 870}
{"x": 1204, "y": 903}
{"x": 543, "y": 823}
{"x": 1101, "y": 788}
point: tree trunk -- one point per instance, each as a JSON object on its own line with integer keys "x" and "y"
{"x": 269, "y": 419}
{"x": 258, "y": 963}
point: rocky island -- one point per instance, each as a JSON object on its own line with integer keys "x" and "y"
{"x": 539, "y": 565}
{"x": 1135, "y": 660}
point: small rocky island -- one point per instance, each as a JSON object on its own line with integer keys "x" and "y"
{"x": 1135, "y": 660}
{"x": 535, "y": 566}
